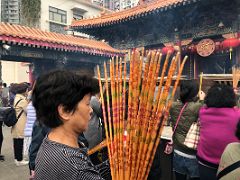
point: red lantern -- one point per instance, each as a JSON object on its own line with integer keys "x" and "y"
{"x": 167, "y": 49}
{"x": 230, "y": 43}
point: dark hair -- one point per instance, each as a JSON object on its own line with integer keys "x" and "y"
{"x": 238, "y": 130}
{"x": 4, "y": 85}
{"x": 220, "y": 95}
{"x": 188, "y": 91}
{"x": 59, "y": 87}
{"x": 19, "y": 88}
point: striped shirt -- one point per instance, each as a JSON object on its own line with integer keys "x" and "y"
{"x": 57, "y": 161}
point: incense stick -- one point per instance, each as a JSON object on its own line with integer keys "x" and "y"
{"x": 144, "y": 124}
{"x": 166, "y": 115}
{"x": 106, "y": 126}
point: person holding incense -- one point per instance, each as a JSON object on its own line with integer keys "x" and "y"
{"x": 218, "y": 121}
{"x": 62, "y": 102}
{"x": 185, "y": 165}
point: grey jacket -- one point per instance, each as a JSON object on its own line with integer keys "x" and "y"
{"x": 94, "y": 131}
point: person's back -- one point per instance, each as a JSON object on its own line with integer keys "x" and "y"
{"x": 217, "y": 126}
{"x": 189, "y": 115}
{"x": 185, "y": 164}
{"x": 218, "y": 121}
{"x": 230, "y": 155}
{"x": 20, "y": 105}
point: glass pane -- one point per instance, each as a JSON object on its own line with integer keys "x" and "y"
{"x": 52, "y": 9}
{"x": 57, "y": 17}
{"x": 62, "y": 12}
{"x": 64, "y": 19}
{"x": 51, "y": 16}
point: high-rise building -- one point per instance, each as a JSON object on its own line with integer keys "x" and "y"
{"x": 10, "y": 11}
{"x": 116, "y": 5}
{"x": 126, "y": 4}
{"x": 55, "y": 16}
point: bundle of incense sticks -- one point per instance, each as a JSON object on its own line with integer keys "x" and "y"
{"x": 235, "y": 76}
{"x": 147, "y": 110}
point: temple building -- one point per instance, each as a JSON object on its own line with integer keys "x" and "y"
{"x": 206, "y": 31}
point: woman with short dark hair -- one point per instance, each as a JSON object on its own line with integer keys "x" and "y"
{"x": 62, "y": 102}
{"x": 218, "y": 120}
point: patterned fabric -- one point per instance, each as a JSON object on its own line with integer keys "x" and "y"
{"x": 31, "y": 118}
{"x": 189, "y": 116}
{"x": 57, "y": 161}
{"x": 193, "y": 135}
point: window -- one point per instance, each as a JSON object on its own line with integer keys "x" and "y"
{"x": 57, "y": 15}
{"x": 58, "y": 28}
{"x": 77, "y": 16}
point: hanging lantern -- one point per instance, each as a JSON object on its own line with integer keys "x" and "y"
{"x": 230, "y": 43}
{"x": 167, "y": 49}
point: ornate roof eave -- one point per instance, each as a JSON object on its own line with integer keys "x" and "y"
{"x": 129, "y": 14}
{"x": 32, "y": 37}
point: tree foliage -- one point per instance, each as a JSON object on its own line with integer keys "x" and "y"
{"x": 31, "y": 12}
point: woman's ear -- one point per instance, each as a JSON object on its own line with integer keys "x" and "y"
{"x": 63, "y": 114}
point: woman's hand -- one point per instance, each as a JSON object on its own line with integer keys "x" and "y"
{"x": 201, "y": 95}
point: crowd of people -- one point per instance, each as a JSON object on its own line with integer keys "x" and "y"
{"x": 218, "y": 116}
{"x": 61, "y": 118}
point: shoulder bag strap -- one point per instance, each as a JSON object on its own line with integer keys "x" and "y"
{"x": 19, "y": 115}
{"x": 228, "y": 169}
{"x": 17, "y": 102}
{"x": 179, "y": 116}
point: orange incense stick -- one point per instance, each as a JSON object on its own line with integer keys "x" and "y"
{"x": 161, "y": 106}
{"x": 166, "y": 115}
{"x": 106, "y": 125}
{"x": 146, "y": 115}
